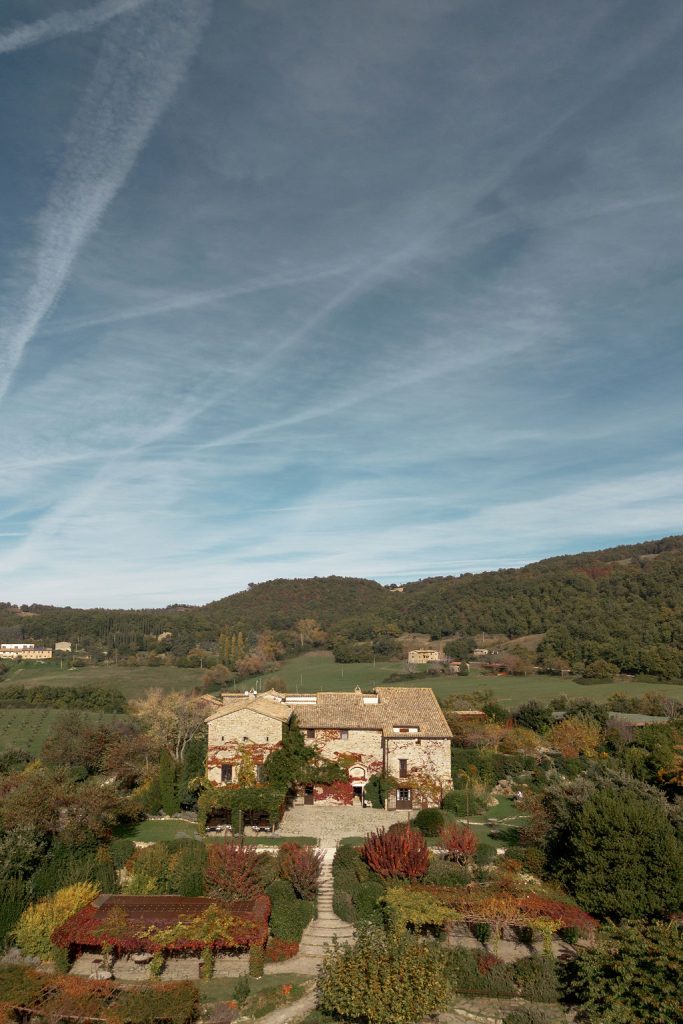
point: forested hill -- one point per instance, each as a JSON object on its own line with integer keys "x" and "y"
{"x": 278, "y": 604}
{"x": 624, "y": 604}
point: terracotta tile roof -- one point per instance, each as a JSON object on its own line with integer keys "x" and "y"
{"x": 396, "y": 707}
{"x": 269, "y": 708}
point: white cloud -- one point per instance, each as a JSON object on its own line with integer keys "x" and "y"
{"x": 64, "y": 23}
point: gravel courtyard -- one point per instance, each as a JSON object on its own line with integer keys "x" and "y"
{"x": 330, "y": 823}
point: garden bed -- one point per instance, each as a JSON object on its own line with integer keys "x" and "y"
{"x": 173, "y": 924}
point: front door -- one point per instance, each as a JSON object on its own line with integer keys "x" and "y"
{"x": 309, "y": 796}
{"x": 404, "y": 799}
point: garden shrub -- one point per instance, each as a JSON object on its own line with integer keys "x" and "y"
{"x": 570, "y": 934}
{"x": 443, "y": 872}
{"x": 149, "y": 869}
{"x": 531, "y": 858}
{"x": 343, "y": 906}
{"x": 278, "y": 950}
{"x": 537, "y": 979}
{"x": 288, "y": 915}
{"x": 186, "y": 869}
{"x": 459, "y": 842}
{"x": 481, "y": 974}
{"x": 233, "y": 871}
{"x": 241, "y": 990}
{"x": 481, "y": 931}
{"x": 366, "y": 901}
{"x": 345, "y": 857}
{"x": 120, "y": 851}
{"x": 16, "y": 896}
{"x": 301, "y": 865}
{"x": 386, "y": 978}
{"x": 37, "y": 923}
{"x": 157, "y": 964}
{"x": 456, "y": 801}
{"x": 401, "y": 854}
{"x": 206, "y": 964}
{"x": 525, "y": 934}
{"x": 414, "y": 908}
{"x": 429, "y": 821}
{"x": 485, "y": 855}
{"x": 257, "y": 956}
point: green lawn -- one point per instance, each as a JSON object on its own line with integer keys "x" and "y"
{"x": 265, "y": 994}
{"x": 133, "y": 682}
{"x": 165, "y": 829}
{"x": 28, "y": 728}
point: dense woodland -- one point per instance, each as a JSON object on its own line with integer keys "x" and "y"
{"x": 623, "y": 605}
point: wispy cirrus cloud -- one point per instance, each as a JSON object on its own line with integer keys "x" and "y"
{"x": 142, "y": 60}
{"x": 64, "y": 23}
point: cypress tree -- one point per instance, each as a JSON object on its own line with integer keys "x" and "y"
{"x": 168, "y": 784}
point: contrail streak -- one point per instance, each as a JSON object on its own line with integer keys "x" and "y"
{"x": 64, "y": 23}
{"x": 143, "y": 59}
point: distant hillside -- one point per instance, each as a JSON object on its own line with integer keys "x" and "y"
{"x": 278, "y": 604}
{"x": 624, "y": 604}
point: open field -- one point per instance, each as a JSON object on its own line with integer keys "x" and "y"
{"x": 313, "y": 672}
{"x": 28, "y": 727}
{"x": 133, "y": 682}
{"x": 319, "y": 671}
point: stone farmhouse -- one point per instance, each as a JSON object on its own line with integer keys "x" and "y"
{"x": 399, "y": 732}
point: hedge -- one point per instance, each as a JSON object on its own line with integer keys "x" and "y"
{"x": 429, "y": 821}
{"x": 537, "y": 979}
{"x": 238, "y": 799}
{"x": 289, "y": 916}
{"x": 491, "y": 766}
{"x": 481, "y": 974}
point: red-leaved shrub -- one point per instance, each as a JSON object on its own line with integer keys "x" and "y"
{"x": 301, "y": 865}
{"x": 400, "y": 854}
{"x": 459, "y": 842}
{"x": 233, "y": 871}
{"x": 280, "y": 949}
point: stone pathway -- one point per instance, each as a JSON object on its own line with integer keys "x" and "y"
{"x": 330, "y": 823}
{"x": 320, "y": 931}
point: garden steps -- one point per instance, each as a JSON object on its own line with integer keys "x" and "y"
{"x": 326, "y": 926}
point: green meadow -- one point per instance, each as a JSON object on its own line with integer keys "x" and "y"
{"x": 317, "y": 672}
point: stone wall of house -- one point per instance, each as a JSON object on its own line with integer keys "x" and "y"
{"x": 429, "y": 768}
{"x": 362, "y": 747}
{"x": 241, "y": 730}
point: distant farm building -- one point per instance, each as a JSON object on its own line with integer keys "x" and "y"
{"x": 27, "y": 652}
{"x": 480, "y": 652}
{"x": 423, "y": 656}
{"x": 64, "y": 646}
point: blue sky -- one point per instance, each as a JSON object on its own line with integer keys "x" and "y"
{"x": 387, "y": 288}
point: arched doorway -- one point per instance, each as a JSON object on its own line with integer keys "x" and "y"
{"x": 358, "y": 778}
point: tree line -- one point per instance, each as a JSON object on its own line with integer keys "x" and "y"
{"x": 620, "y": 607}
